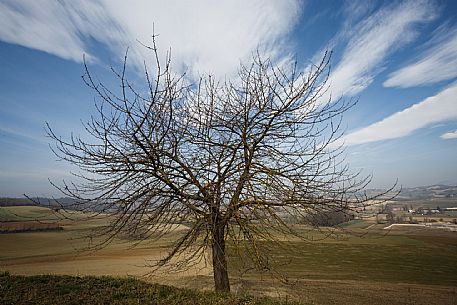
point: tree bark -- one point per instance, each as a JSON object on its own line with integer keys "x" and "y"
{"x": 221, "y": 280}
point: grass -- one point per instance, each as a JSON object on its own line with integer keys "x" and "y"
{"x": 66, "y": 290}
{"x": 402, "y": 266}
{"x": 26, "y": 213}
{"x": 357, "y": 223}
{"x": 383, "y": 262}
{"x": 416, "y": 257}
{"x": 408, "y": 256}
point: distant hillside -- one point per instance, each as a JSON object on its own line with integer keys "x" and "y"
{"x": 422, "y": 192}
{"x": 46, "y": 202}
{"x": 411, "y": 193}
{"x": 428, "y": 192}
{"x": 6, "y": 202}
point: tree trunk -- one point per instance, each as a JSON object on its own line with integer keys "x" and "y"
{"x": 221, "y": 280}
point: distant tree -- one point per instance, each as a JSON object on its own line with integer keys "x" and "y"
{"x": 328, "y": 218}
{"x": 228, "y": 158}
{"x": 389, "y": 211}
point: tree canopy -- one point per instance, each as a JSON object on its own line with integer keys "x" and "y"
{"x": 232, "y": 159}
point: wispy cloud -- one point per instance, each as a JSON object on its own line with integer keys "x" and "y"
{"x": 354, "y": 10}
{"x": 449, "y": 135}
{"x": 205, "y": 36}
{"x": 57, "y": 27}
{"x": 437, "y": 63}
{"x": 371, "y": 40}
{"x": 434, "y": 109}
{"x": 15, "y": 132}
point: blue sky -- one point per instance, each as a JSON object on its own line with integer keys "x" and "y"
{"x": 398, "y": 58}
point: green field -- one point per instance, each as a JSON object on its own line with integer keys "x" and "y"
{"x": 356, "y": 266}
{"x": 25, "y": 213}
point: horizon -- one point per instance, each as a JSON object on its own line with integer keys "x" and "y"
{"x": 31, "y": 198}
{"x": 398, "y": 59}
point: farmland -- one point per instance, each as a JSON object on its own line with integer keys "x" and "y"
{"x": 355, "y": 266}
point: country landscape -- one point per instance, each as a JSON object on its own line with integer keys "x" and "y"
{"x": 228, "y": 152}
{"x": 373, "y": 259}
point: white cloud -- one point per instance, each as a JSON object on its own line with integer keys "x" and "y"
{"x": 55, "y": 27}
{"x": 205, "y": 35}
{"x": 371, "y": 41}
{"x": 449, "y": 135}
{"x": 437, "y": 63}
{"x": 434, "y": 109}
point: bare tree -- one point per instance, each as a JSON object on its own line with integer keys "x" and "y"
{"x": 231, "y": 158}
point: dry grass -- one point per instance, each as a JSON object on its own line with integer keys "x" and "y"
{"x": 66, "y": 290}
